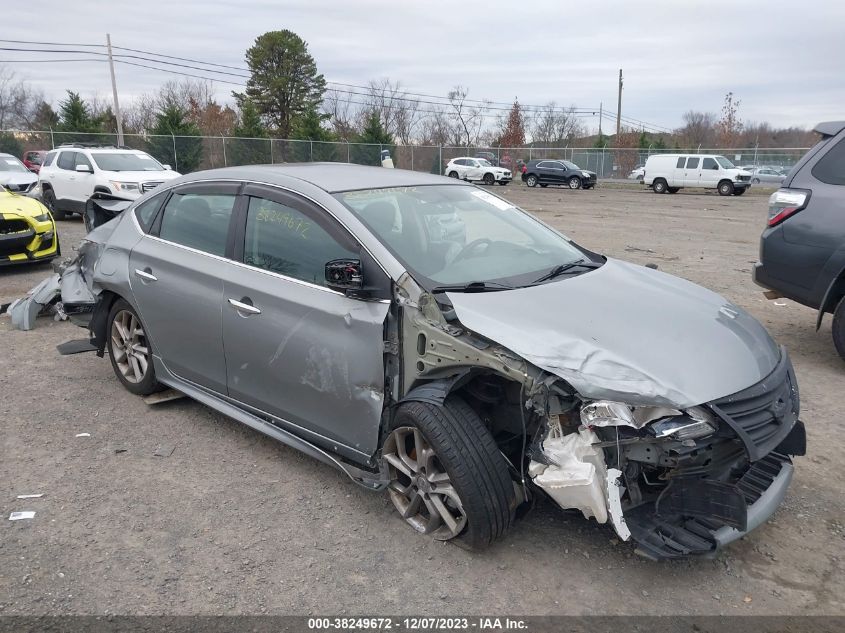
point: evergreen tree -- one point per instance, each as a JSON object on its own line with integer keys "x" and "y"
{"x": 172, "y": 126}
{"x": 319, "y": 146}
{"x": 76, "y": 125}
{"x": 251, "y": 148}
{"x": 376, "y": 139}
{"x": 284, "y": 84}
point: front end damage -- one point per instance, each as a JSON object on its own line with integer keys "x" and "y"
{"x": 674, "y": 481}
{"x": 677, "y": 483}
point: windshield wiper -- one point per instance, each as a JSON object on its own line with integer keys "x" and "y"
{"x": 564, "y": 268}
{"x": 472, "y": 286}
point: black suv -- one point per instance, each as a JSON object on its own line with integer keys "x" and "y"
{"x": 802, "y": 250}
{"x": 557, "y": 172}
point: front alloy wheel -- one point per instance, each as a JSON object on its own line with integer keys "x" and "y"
{"x": 420, "y": 487}
{"x": 575, "y": 182}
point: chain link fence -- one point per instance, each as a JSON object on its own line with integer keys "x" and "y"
{"x": 191, "y": 153}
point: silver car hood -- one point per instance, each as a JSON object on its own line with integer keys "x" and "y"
{"x": 17, "y": 177}
{"x": 628, "y": 333}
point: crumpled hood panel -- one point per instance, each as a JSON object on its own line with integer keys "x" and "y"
{"x": 628, "y": 333}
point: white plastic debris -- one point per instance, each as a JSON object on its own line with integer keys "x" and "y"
{"x": 17, "y": 516}
{"x": 83, "y": 435}
{"x": 38, "y": 496}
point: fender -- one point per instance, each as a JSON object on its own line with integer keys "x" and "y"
{"x": 436, "y": 391}
{"x": 838, "y": 281}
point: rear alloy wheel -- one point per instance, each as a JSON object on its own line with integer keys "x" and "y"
{"x": 130, "y": 352}
{"x": 453, "y": 174}
{"x": 838, "y": 328}
{"x": 49, "y": 199}
{"x": 726, "y": 188}
{"x": 531, "y": 180}
{"x": 447, "y": 476}
{"x": 755, "y": 181}
{"x": 660, "y": 186}
{"x": 489, "y": 180}
{"x": 574, "y": 182}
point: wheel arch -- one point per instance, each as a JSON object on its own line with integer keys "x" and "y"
{"x": 833, "y": 294}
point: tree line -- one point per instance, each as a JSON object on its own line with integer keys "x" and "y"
{"x": 286, "y": 97}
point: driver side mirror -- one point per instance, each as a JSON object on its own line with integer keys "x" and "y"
{"x": 345, "y": 275}
{"x": 85, "y": 169}
{"x": 167, "y": 167}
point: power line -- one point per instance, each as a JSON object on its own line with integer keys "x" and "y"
{"x": 403, "y": 96}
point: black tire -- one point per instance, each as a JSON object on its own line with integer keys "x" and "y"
{"x": 544, "y": 185}
{"x": 673, "y": 189}
{"x": 503, "y": 183}
{"x": 838, "y": 328}
{"x": 476, "y": 468}
{"x": 489, "y": 180}
{"x": 755, "y": 181}
{"x": 741, "y": 191}
{"x": 531, "y": 180}
{"x": 726, "y": 188}
{"x": 574, "y": 182}
{"x": 148, "y": 383}
{"x": 453, "y": 174}
{"x": 660, "y": 186}
{"x": 49, "y": 198}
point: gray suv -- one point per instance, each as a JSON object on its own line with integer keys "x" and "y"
{"x": 430, "y": 339}
{"x": 802, "y": 249}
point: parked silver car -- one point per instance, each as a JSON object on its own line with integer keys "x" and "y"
{"x": 767, "y": 175}
{"x": 14, "y": 175}
{"x": 429, "y": 338}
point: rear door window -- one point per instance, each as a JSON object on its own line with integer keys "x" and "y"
{"x": 67, "y": 160}
{"x": 831, "y": 167}
{"x": 198, "y": 220}
{"x": 681, "y": 162}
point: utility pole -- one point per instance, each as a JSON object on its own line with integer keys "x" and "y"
{"x": 114, "y": 93}
{"x": 619, "y": 109}
{"x": 601, "y": 115}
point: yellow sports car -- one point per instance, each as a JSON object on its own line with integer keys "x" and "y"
{"x": 27, "y": 230}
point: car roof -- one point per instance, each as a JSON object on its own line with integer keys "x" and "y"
{"x": 830, "y": 128}
{"x": 330, "y": 177}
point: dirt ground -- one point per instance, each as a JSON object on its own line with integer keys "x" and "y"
{"x": 234, "y": 523}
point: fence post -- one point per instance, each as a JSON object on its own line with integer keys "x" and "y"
{"x": 225, "y": 164}
{"x": 311, "y": 143}
{"x": 348, "y": 155}
{"x": 412, "y": 158}
{"x": 175, "y": 157}
{"x": 270, "y": 140}
{"x": 52, "y": 142}
{"x": 529, "y": 152}
{"x": 440, "y": 160}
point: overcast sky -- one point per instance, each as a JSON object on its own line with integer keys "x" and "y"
{"x": 783, "y": 60}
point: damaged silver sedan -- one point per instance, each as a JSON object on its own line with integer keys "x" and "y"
{"x": 428, "y": 338}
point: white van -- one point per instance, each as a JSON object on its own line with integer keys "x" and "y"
{"x": 670, "y": 172}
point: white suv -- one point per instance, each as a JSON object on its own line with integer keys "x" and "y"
{"x": 72, "y": 173}
{"x": 477, "y": 169}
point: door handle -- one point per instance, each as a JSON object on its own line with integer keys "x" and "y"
{"x": 146, "y": 275}
{"x": 240, "y": 306}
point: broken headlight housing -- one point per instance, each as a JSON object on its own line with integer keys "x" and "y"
{"x": 663, "y": 422}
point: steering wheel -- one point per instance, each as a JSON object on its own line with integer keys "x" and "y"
{"x": 469, "y": 248}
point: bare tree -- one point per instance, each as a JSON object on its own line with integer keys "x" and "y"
{"x": 19, "y": 101}
{"x": 698, "y": 128}
{"x": 183, "y": 92}
{"x": 343, "y": 114}
{"x": 436, "y": 128}
{"x": 553, "y": 125}
{"x": 729, "y": 126}
{"x": 469, "y": 118}
{"x": 139, "y": 115}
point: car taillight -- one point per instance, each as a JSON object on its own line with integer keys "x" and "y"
{"x": 784, "y": 203}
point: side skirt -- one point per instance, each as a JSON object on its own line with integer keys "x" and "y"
{"x": 367, "y": 479}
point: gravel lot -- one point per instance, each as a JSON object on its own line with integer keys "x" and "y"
{"x": 232, "y": 522}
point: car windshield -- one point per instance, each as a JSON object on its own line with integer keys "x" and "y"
{"x": 454, "y": 235}
{"x": 724, "y": 162}
{"x": 10, "y": 163}
{"x": 125, "y": 161}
